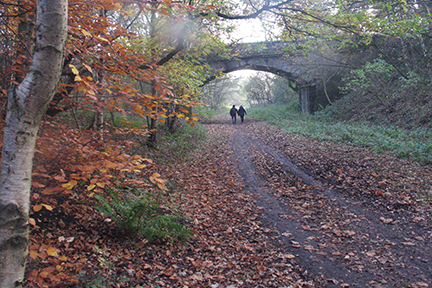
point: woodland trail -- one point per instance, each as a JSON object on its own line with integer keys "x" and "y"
{"x": 348, "y": 217}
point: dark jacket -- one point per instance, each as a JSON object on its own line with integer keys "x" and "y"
{"x": 241, "y": 111}
{"x": 233, "y": 111}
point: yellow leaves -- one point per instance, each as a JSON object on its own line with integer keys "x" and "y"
{"x": 70, "y": 184}
{"x": 85, "y": 33}
{"x": 138, "y": 109}
{"x": 91, "y": 187}
{"x": 51, "y": 191}
{"x": 91, "y": 92}
{"x": 76, "y": 72}
{"x": 38, "y": 207}
{"x": 74, "y": 69}
{"x": 155, "y": 179}
{"x": 101, "y": 184}
{"x": 101, "y": 38}
{"x": 52, "y": 251}
{"x": 44, "y": 251}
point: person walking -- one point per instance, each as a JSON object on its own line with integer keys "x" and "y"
{"x": 241, "y": 112}
{"x": 233, "y": 113}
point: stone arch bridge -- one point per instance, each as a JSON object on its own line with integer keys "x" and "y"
{"x": 282, "y": 59}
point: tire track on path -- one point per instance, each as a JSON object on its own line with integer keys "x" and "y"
{"x": 359, "y": 250}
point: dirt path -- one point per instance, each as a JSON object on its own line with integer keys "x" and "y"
{"x": 348, "y": 216}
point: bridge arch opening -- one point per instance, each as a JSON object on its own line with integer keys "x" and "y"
{"x": 282, "y": 59}
{"x": 249, "y": 87}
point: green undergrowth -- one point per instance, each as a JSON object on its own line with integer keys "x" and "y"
{"x": 179, "y": 144}
{"x": 415, "y": 144}
{"x": 138, "y": 215}
{"x": 206, "y": 112}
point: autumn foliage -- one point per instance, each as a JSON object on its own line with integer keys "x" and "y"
{"x": 105, "y": 70}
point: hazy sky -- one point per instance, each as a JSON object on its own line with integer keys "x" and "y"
{"x": 249, "y": 30}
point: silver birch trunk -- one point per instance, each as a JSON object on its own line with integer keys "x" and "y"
{"x": 26, "y": 106}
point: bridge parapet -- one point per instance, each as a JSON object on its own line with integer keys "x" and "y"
{"x": 277, "y": 49}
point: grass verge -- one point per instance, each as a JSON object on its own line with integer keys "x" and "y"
{"x": 181, "y": 143}
{"x": 414, "y": 144}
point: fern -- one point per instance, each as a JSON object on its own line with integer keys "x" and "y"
{"x": 138, "y": 216}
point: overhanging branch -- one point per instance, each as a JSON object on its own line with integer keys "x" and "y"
{"x": 265, "y": 8}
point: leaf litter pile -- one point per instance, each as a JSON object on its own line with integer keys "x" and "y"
{"x": 267, "y": 209}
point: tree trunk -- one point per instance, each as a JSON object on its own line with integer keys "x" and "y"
{"x": 151, "y": 141}
{"x": 98, "y": 120}
{"x": 26, "y": 107}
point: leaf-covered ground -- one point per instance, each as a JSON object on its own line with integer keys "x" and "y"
{"x": 353, "y": 218}
{"x": 268, "y": 209}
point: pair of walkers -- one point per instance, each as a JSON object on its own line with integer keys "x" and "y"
{"x": 241, "y": 112}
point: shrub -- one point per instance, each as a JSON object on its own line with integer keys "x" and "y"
{"x": 137, "y": 215}
{"x": 378, "y": 79}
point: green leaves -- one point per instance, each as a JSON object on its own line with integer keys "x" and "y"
{"x": 136, "y": 214}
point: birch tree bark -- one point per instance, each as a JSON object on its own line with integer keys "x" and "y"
{"x": 26, "y": 106}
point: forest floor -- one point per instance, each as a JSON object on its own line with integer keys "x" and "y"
{"x": 268, "y": 209}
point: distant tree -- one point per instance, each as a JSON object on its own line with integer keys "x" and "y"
{"x": 282, "y": 91}
{"x": 218, "y": 92}
{"x": 265, "y": 88}
{"x": 258, "y": 90}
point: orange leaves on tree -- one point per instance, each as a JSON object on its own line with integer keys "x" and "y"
{"x": 103, "y": 47}
{"x": 88, "y": 167}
